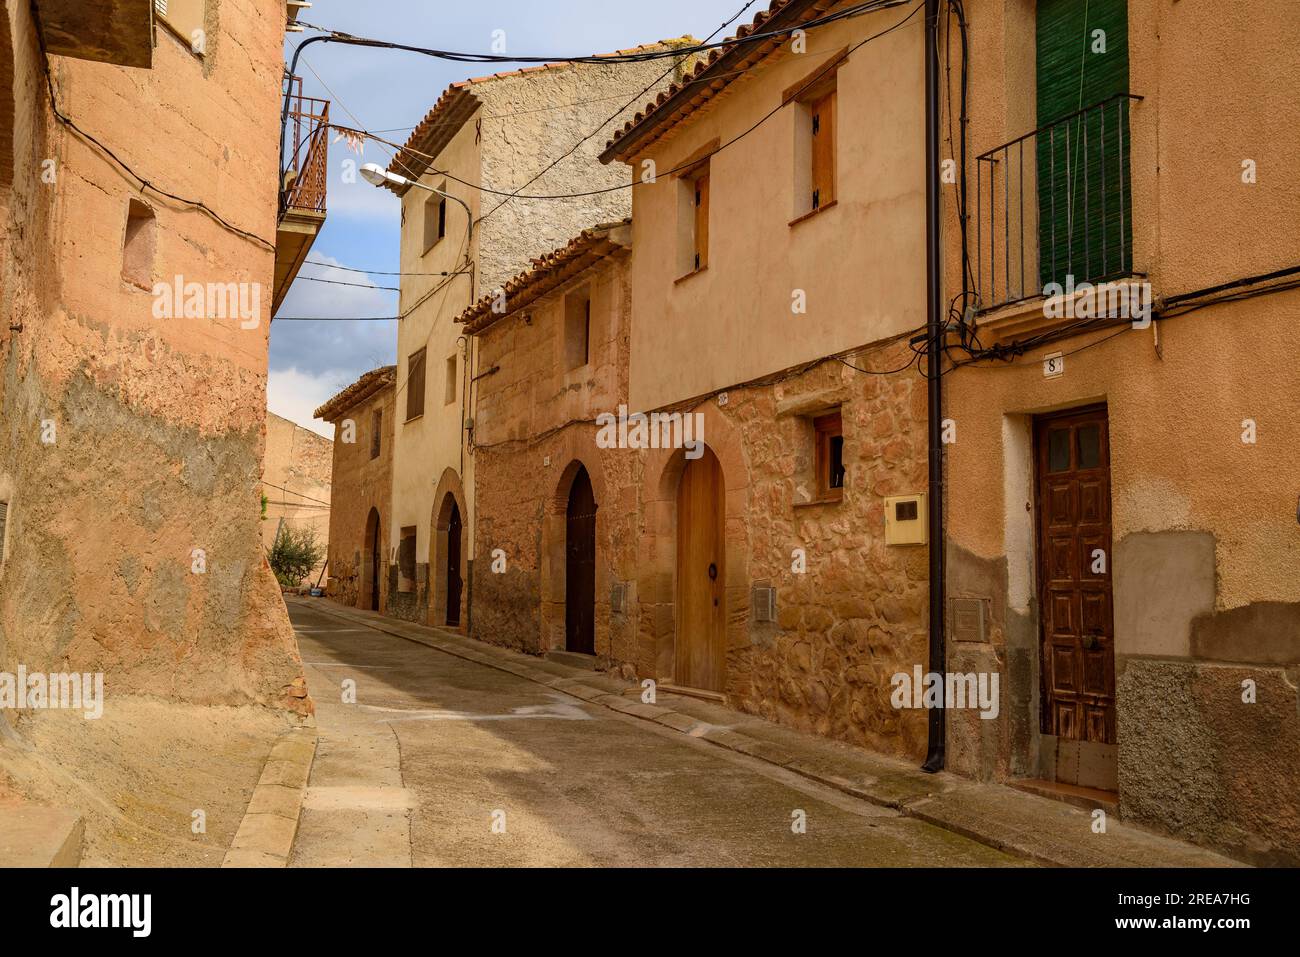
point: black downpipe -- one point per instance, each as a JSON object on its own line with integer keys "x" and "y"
{"x": 934, "y": 342}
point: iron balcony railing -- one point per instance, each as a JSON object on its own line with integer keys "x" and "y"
{"x": 302, "y": 181}
{"x": 1055, "y": 205}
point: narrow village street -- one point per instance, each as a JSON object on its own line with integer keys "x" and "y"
{"x": 412, "y": 774}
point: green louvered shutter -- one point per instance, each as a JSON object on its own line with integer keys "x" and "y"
{"x": 1084, "y": 195}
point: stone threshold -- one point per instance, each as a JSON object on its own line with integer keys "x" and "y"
{"x": 1038, "y": 829}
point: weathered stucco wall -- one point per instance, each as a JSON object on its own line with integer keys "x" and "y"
{"x": 296, "y": 483}
{"x": 1204, "y": 523}
{"x": 860, "y": 263}
{"x": 152, "y": 428}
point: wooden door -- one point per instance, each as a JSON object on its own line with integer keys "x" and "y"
{"x": 453, "y": 566}
{"x": 701, "y": 647}
{"x": 580, "y": 567}
{"x": 1077, "y": 626}
{"x": 374, "y": 566}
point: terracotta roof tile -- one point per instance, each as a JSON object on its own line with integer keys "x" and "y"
{"x": 653, "y": 121}
{"x": 370, "y": 383}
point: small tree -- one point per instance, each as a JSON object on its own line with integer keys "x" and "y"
{"x": 294, "y": 554}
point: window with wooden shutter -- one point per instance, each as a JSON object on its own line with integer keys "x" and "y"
{"x": 4, "y": 523}
{"x": 823, "y": 150}
{"x": 185, "y": 19}
{"x": 415, "y": 385}
{"x": 1084, "y": 192}
{"x": 701, "y": 233}
{"x": 829, "y": 434}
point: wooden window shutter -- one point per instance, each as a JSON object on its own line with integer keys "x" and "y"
{"x": 1084, "y": 194}
{"x": 823, "y": 150}
{"x": 4, "y": 521}
{"x": 415, "y": 385}
{"x": 702, "y": 221}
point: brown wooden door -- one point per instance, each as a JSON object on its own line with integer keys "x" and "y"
{"x": 580, "y": 568}
{"x": 374, "y": 566}
{"x": 1074, "y": 574}
{"x": 453, "y": 566}
{"x": 701, "y": 650}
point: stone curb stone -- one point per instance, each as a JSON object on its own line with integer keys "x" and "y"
{"x": 266, "y": 834}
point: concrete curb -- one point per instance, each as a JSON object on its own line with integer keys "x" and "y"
{"x": 38, "y": 836}
{"x": 266, "y": 834}
{"x": 953, "y": 804}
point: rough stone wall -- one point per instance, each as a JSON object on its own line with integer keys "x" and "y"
{"x": 152, "y": 428}
{"x": 360, "y": 483}
{"x": 844, "y": 628}
{"x": 522, "y": 133}
{"x": 296, "y": 476}
{"x": 535, "y": 426}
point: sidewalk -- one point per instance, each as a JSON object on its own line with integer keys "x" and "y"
{"x": 1038, "y": 829}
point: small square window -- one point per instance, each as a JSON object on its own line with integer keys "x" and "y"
{"x": 829, "y": 434}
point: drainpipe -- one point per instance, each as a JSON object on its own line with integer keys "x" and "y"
{"x": 934, "y": 340}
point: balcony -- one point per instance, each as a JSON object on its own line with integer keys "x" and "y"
{"x": 107, "y": 31}
{"x": 302, "y": 185}
{"x": 1055, "y": 206}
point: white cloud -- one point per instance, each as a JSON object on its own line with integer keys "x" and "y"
{"x": 295, "y": 395}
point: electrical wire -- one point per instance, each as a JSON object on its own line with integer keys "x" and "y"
{"x": 833, "y": 64}
{"x": 677, "y": 62}
{"x": 145, "y": 183}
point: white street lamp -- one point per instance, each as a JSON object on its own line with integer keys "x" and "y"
{"x": 376, "y": 175}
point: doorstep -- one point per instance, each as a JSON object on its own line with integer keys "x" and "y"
{"x": 1086, "y": 798}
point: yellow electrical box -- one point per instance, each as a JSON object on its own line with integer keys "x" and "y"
{"x": 905, "y": 520}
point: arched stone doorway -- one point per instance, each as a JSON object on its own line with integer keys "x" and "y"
{"x": 580, "y": 566}
{"x": 449, "y": 554}
{"x": 700, "y": 653}
{"x": 584, "y": 465}
{"x": 368, "y": 592}
{"x": 659, "y": 584}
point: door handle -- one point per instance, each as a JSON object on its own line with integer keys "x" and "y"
{"x": 1090, "y": 641}
{"x": 713, "y": 572}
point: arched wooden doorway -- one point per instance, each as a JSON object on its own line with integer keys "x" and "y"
{"x": 580, "y": 566}
{"x": 368, "y": 593}
{"x": 700, "y": 660}
{"x": 452, "y": 569}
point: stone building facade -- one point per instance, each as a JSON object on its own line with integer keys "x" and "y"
{"x": 500, "y": 133}
{"x": 1122, "y": 524}
{"x": 554, "y": 361}
{"x": 362, "y": 415}
{"x": 129, "y": 473}
{"x": 296, "y": 485}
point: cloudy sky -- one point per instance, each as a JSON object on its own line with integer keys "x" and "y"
{"x": 391, "y": 91}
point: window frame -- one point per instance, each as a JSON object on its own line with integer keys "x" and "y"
{"x": 826, "y": 428}
{"x": 416, "y": 369}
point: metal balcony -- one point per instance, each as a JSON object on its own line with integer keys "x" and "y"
{"x": 1055, "y": 206}
{"x": 302, "y": 184}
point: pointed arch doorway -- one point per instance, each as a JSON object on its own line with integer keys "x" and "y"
{"x": 580, "y": 566}
{"x": 369, "y": 591}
